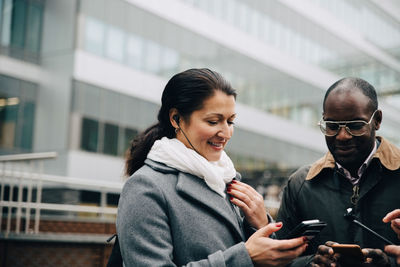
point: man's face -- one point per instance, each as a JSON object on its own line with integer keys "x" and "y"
{"x": 350, "y": 151}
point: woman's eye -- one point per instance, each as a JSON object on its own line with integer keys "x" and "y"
{"x": 212, "y": 122}
{"x": 231, "y": 123}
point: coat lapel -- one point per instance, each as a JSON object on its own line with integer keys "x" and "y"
{"x": 196, "y": 189}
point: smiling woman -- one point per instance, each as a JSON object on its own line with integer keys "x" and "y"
{"x": 210, "y": 128}
{"x": 181, "y": 204}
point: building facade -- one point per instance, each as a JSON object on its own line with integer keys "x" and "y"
{"x": 82, "y": 78}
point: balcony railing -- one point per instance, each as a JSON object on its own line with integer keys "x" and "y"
{"x": 22, "y": 182}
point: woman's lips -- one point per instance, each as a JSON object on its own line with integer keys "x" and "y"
{"x": 216, "y": 145}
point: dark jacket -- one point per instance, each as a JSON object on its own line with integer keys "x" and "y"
{"x": 168, "y": 218}
{"x": 321, "y": 192}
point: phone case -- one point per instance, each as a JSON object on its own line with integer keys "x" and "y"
{"x": 350, "y": 251}
{"x": 308, "y": 228}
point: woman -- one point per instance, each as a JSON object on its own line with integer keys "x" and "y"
{"x": 175, "y": 209}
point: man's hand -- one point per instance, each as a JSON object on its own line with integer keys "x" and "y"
{"x": 393, "y": 250}
{"x": 325, "y": 256}
{"x": 394, "y": 219}
{"x": 375, "y": 258}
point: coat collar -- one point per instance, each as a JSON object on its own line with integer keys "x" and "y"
{"x": 387, "y": 153}
{"x": 196, "y": 189}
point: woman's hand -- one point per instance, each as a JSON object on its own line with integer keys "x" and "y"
{"x": 265, "y": 251}
{"x": 250, "y": 202}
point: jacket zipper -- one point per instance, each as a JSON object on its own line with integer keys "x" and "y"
{"x": 354, "y": 197}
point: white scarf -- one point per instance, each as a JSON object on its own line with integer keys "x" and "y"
{"x": 175, "y": 154}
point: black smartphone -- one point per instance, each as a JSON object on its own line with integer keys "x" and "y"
{"x": 309, "y": 229}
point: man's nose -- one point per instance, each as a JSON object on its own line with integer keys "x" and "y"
{"x": 343, "y": 134}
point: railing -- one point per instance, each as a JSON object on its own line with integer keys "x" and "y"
{"x": 24, "y": 174}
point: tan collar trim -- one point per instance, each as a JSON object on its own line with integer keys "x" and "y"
{"x": 387, "y": 153}
{"x": 325, "y": 162}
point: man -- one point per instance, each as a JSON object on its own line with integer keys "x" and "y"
{"x": 361, "y": 171}
{"x": 394, "y": 219}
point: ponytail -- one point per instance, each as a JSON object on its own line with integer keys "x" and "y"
{"x": 140, "y": 147}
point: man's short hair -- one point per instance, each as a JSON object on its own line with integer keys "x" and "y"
{"x": 351, "y": 82}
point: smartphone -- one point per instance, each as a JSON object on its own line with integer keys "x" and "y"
{"x": 349, "y": 251}
{"x": 309, "y": 229}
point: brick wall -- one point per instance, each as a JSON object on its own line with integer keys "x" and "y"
{"x": 58, "y": 226}
{"x": 31, "y": 253}
{"x": 53, "y": 254}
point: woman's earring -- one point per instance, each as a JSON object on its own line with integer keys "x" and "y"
{"x": 176, "y": 130}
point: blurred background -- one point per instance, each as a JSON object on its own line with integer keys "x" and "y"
{"x": 80, "y": 78}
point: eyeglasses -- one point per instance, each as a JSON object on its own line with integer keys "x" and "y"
{"x": 354, "y": 128}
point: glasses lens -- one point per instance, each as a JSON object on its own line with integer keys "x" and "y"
{"x": 331, "y": 128}
{"x": 357, "y": 128}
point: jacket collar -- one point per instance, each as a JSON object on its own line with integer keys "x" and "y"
{"x": 196, "y": 189}
{"x": 387, "y": 153}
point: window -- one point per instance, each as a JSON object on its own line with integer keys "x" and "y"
{"x": 17, "y": 115}
{"x": 34, "y": 22}
{"x": 21, "y": 28}
{"x": 129, "y": 135}
{"x": 115, "y": 44}
{"x": 90, "y": 135}
{"x": 5, "y": 22}
{"x": 153, "y": 57}
{"x": 18, "y": 23}
{"x": 106, "y": 138}
{"x": 110, "y": 142}
{"x": 94, "y": 36}
{"x": 134, "y": 50}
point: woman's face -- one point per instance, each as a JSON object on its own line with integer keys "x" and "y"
{"x": 210, "y": 128}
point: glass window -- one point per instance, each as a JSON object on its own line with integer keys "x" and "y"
{"x": 134, "y": 51}
{"x": 18, "y": 23}
{"x": 17, "y": 113}
{"x": 34, "y": 25}
{"x": 1, "y": 10}
{"x": 170, "y": 62}
{"x": 8, "y": 122}
{"x": 230, "y": 12}
{"x": 115, "y": 44}
{"x": 129, "y": 134}
{"x": 90, "y": 133}
{"x": 6, "y": 23}
{"x": 27, "y": 126}
{"x": 94, "y": 36}
{"x": 152, "y": 57}
{"x": 110, "y": 142}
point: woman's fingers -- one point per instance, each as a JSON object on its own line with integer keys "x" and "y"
{"x": 245, "y": 193}
{"x": 250, "y": 202}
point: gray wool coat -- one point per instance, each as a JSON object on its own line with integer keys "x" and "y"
{"x": 170, "y": 218}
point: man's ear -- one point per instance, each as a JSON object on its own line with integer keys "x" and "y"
{"x": 378, "y": 119}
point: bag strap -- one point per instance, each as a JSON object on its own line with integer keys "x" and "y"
{"x": 115, "y": 259}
